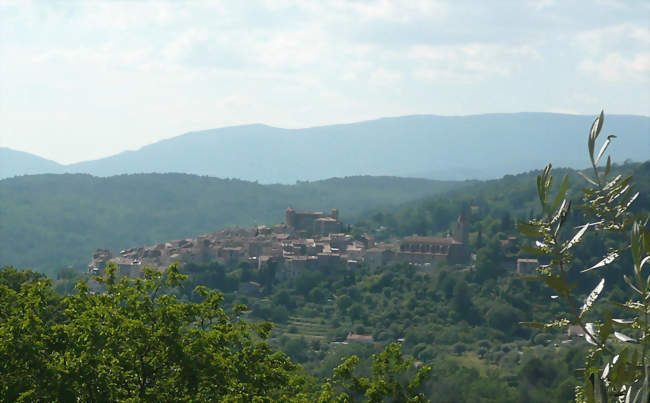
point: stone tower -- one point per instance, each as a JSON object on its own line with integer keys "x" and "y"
{"x": 460, "y": 230}
{"x": 290, "y": 217}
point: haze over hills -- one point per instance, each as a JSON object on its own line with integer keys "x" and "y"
{"x": 14, "y": 163}
{"x": 441, "y": 147}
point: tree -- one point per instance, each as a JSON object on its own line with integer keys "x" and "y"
{"x": 489, "y": 261}
{"x": 618, "y": 365}
{"x": 462, "y": 304}
{"x": 135, "y": 342}
{"x": 389, "y": 371}
{"x": 503, "y": 317}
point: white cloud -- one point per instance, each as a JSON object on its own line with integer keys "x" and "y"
{"x": 289, "y": 49}
{"x": 363, "y": 11}
{"x": 107, "y": 55}
{"x": 542, "y": 4}
{"x": 392, "y": 10}
{"x": 615, "y": 67}
{"x": 183, "y": 44}
{"x": 385, "y": 78}
{"x": 616, "y": 53}
{"x": 116, "y": 16}
{"x": 470, "y": 62}
{"x": 614, "y": 37}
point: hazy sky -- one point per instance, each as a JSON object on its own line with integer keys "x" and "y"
{"x": 83, "y": 80}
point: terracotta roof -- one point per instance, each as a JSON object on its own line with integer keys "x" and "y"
{"x": 359, "y": 337}
{"x": 428, "y": 239}
{"x": 521, "y": 260}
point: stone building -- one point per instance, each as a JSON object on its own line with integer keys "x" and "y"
{"x": 313, "y": 222}
{"x": 99, "y": 260}
{"x": 527, "y": 266}
{"x": 378, "y": 256}
{"x": 426, "y": 249}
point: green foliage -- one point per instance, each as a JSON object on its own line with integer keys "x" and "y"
{"x": 462, "y": 303}
{"x": 14, "y": 279}
{"x": 387, "y": 381}
{"x": 134, "y": 342}
{"x": 617, "y": 365}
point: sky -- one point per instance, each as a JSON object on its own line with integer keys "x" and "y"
{"x": 82, "y": 80}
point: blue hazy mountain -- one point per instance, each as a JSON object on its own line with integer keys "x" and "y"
{"x": 13, "y": 163}
{"x": 429, "y": 146}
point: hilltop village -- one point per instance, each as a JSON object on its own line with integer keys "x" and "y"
{"x": 305, "y": 241}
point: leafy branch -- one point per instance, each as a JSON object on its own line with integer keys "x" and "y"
{"x": 606, "y": 207}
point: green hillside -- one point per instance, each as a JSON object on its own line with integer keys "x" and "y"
{"x": 50, "y": 221}
{"x": 493, "y": 206}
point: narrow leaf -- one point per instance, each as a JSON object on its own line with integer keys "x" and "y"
{"x": 593, "y": 133}
{"x": 590, "y": 328}
{"x": 619, "y": 194}
{"x": 604, "y": 147}
{"x": 626, "y": 307}
{"x": 529, "y": 230}
{"x": 635, "y": 246}
{"x": 627, "y": 206}
{"x": 644, "y": 261}
{"x": 559, "y": 211}
{"x": 624, "y": 338}
{"x": 577, "y": 236}
{"x": 532, "y": 324}
{"x": 607, "y": 260}
{"x": 605, "y": 329}
{"x": 628, "y": 395}
{"x": 591, "y": 298}
{"x": 540, "y": 191}
{"x": 631, "y": 284}
{"x": 587, "y": 178}
{"x": 565, "y": 213}
{"x": 612, "y": 182}
{"x": 605, "y": 372}
{"x": 608, "y": 165}
{"x": 561, "y": 193}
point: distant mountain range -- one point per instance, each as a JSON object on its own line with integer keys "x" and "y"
{"x": 13, "y": 163}
{"x": 428, "y": 146}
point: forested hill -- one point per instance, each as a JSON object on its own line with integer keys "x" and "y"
{"x": 494, "y": 206}
{"x": 440, "y": 147}
{"x": 49, "y": 221}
